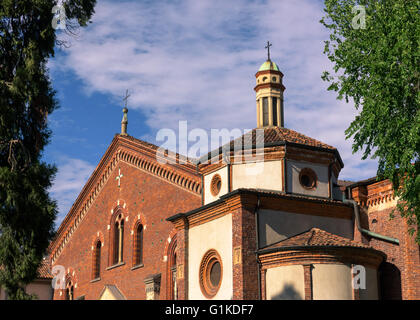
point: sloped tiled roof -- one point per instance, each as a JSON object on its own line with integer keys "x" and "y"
{"x": 279, "y": 134}
{"x": 316, "y": 237}
{"x": 270, "y": 135}
{"x": 44, "y": 270}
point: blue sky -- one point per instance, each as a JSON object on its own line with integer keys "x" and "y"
{"x": 191, "y": 60}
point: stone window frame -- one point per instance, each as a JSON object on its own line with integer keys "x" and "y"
{"x": 215, "y": 187}
{"x": 117, "y": 217}
{"x": 310, "y": 173}
{"x": 208, "y": 260}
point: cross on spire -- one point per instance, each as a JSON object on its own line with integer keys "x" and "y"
{"x": 268, "y": 49}
{"x": 125, "y": 99}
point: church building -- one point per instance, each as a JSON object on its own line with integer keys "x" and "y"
{"x": 262, "y": 217}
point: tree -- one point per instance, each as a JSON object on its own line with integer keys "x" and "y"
{"x": 27, "y": 213}
{"x": 374, "y": 46}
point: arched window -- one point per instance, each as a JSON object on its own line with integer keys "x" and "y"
{"x": 69, "y": 295}
{"x": 138, "y": 245}
{"x": 274, "y": 111}
{"x": 118, "y": 240}
{"x": 265, "y": 111}
{"x": 97, "y": 260}
{"x": 172, "y": 290}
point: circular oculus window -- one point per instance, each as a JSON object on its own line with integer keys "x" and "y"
{"x": 215, "y": 185}
{"x": 211, "y": 271}
{"x": 308, "y": 178}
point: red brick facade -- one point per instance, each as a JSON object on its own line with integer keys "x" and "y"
{"x": 245, "y": 272}
{"x": 400, "y": 273}
{"x": 141, "y": 197}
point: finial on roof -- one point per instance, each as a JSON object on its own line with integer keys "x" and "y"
{"x": 268, "y": 50}
{"x": 124, "y": 120}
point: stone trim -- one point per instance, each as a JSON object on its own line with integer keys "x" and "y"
{"x": 152, "y": 286}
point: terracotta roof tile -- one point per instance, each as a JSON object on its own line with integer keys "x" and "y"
{"x": 270, "y": 135}
{"x": 278, "y": 134}
{"x": 44, "y": 270}
{"x": 316, "y": 237}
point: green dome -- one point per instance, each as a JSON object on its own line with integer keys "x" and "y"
{"x": 269, "y": 65}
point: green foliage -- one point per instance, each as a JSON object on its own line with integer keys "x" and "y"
{"x": 378, "y": 67}
{"x": 27, "y": 40}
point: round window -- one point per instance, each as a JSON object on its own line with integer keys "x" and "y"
{"x": 215, "y": 185}
{"x": 274, "y": 79}
{"x": 210, "y": 273}
{"x": 308, "y": 178}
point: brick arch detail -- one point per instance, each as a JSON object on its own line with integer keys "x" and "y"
{"x": 115, "y": 212}
{"x": 136, "y": 222}
{"x": 97, "y": 236}
{"x": 170, "y": 251}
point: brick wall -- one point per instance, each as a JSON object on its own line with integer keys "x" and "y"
{"x": 140, "y": 193}
{"x": 245, "y": 273}
{"x": 400, "y": 273}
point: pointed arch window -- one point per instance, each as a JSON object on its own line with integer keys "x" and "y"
{"x": 69, "y": 294}
{"x": 138, "y": 245}
{"x": 97, "y": 260}
{"x": 118, "y": 239}
{"x": 172, "y": 289}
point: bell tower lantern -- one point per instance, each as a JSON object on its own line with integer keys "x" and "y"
{"x": 269, "y": 90}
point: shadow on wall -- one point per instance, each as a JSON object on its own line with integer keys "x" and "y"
{"x": 288, "y": 293}
{"x": 390, "y": 282}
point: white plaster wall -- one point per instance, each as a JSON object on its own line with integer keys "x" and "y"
{"x": 336, "y": 192}
{"x": 42, "y": 289}
{"x": 279, "y": 225}
{"x": 208, "y": 197}
{"x": 217, "y": 235}
{"x": 262, "y": 175}
{"x": 2, "y": 294}
{"x": 332, "y": 282}
{"x": 285, "y": 283}
{"x": 293, "y": 184}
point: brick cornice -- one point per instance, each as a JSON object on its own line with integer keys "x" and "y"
{"x": 270, "y": 153}
{"x": 248, "y": 198}
{"x": 370, "y": 195}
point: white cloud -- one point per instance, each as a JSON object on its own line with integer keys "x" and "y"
{"x": 71, "y": 177}
{"x": 195, "y": 60}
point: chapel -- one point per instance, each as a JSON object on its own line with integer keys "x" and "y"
{"x": 264, "y": 216}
